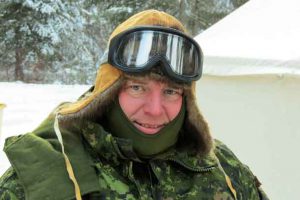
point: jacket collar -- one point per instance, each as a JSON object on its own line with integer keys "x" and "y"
{"x": 104, "y": 145}
{"x": 190, "y": 161}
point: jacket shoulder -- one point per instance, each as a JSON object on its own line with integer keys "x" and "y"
{"x": 224, "y": 153}
{"x": 240, "y": 174}
{"x": 10, "y": 187}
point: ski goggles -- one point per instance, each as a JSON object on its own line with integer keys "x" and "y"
{"x": 137, "y": 50}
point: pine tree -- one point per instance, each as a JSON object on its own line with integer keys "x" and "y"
{"x": 34, "y": 33}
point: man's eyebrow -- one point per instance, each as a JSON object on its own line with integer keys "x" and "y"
{"x": 143, "y": 79}
{"x": 174, "y": 85}
{"x": 136, "y": 81}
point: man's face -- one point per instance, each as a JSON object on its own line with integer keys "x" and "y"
{"x": 150, "y": 104}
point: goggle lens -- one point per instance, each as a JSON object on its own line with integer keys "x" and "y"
{"x": 138, "y": 49}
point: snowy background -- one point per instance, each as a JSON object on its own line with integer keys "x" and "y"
{"x": 27, "y": 105}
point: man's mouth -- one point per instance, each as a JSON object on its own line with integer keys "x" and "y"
{"x": 150, "y": 125}
{"x": 148, "y": 128}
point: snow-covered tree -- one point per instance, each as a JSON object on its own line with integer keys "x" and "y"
{"x": 41, "y": 33}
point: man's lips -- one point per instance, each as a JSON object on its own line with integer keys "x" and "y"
{"x": 149, "y": 125}
{"x": 148, "y": 128}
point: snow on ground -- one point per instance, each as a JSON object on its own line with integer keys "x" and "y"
{"x": 27, "y": 105}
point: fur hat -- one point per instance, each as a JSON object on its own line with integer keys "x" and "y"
{"x": 92, "y": 104}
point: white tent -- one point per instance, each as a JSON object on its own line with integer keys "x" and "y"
{"x": 250, "y": 90}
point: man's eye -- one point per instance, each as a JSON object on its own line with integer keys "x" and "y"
{"x": 173, "y": 92}
{"x": 170, "y": 92}
{"x": 135, "y": 90}
{"x": 136, "y": 87}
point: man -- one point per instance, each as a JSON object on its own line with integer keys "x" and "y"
{"x": 136, "y": 134}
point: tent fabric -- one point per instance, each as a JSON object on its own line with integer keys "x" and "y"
{"x": 250, "y": 90}
{"x": 261, "y": 37}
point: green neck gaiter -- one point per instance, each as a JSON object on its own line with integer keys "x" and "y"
{"x": 145, "y": 145}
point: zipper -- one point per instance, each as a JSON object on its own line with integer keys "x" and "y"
{"x": 202, "y": 169}
{"x": 151, "y": 180}
{"x": 156, "y": 192}
{"x": 131, "y": 178}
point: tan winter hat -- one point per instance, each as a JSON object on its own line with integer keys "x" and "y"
{"x": 109, "y": 80}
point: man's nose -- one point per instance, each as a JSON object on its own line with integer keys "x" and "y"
{"x": 154, "y": 104}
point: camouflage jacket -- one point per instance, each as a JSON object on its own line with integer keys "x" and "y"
{"x": 107, "y": 168}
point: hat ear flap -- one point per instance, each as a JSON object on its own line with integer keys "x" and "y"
{"x": 196, "y": 125}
